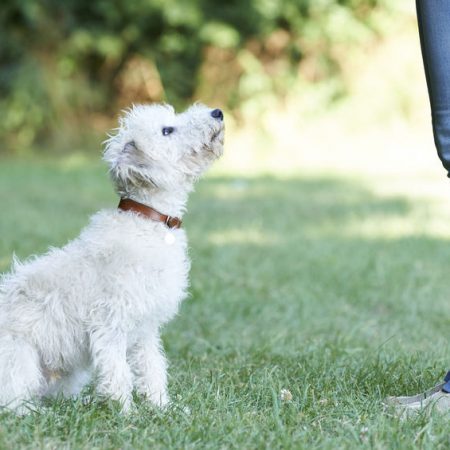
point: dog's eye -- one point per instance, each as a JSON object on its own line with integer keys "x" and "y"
{"x": 167, "y": 130}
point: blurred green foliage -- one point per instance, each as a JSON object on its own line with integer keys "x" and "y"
{"x": 64, "y": 63}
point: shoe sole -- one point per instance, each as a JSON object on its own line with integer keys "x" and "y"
{"x": 408, "y": 400}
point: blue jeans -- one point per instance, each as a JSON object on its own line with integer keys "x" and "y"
{"x": 434, "y": 28}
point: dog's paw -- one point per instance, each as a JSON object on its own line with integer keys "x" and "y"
{"x": 127, "y": 406}
{"x": 124, "y": 403}
{"x": 160, "y": 399}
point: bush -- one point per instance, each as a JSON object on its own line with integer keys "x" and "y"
{"x": 65, "y": 62}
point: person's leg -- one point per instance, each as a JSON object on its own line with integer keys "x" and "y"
{"x": 434, "y": 28}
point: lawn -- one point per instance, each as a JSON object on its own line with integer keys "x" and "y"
{"x": 317, "y": 283}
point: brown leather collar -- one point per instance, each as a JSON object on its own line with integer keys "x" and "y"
{"x": 126, "y": 204}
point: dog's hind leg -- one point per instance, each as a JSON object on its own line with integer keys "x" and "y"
{"x": 21, "y": 377}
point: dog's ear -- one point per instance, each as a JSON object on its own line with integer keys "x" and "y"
{"x": 129, "y": 147}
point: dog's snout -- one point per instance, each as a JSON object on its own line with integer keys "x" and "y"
{"x": 217, "y": 114}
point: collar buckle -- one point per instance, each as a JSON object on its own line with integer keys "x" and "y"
{"x": 172, "y": 222}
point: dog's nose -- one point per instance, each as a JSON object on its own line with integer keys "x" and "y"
{"x": 217, "y": 114}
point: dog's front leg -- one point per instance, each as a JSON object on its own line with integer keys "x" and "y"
{"x": 149, "y": 367}
{"x": 108, "y": 350}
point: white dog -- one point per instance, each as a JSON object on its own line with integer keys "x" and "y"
{"x": 99, "y": 302}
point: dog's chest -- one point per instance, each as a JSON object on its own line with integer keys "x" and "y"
{"x": 162, "y": 272}
{"x": 141, "y": 268}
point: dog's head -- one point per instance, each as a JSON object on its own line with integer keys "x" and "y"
{"x": 155, "y": 147}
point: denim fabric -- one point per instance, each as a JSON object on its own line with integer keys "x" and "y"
{"x": 434, "y": 28}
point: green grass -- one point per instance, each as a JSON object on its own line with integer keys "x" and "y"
{"x": 303, "y": 283}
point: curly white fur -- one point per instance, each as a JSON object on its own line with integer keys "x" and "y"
{"x": 96, "y": 305}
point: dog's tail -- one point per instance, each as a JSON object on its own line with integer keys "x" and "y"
{"x": 21, "y": 378}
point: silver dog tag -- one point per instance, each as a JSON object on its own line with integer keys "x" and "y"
{"x": 169, "y": 238}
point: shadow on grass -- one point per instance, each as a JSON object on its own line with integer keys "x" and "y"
{"x": 287, "y": 204}
{"x": 277, "y": 261}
